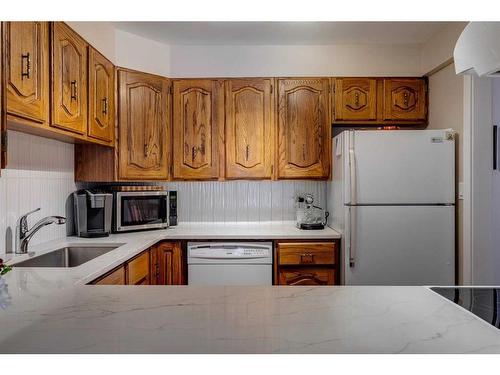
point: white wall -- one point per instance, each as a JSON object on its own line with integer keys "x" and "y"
{"x": 340, "y": 60}
{"x": 101, "y": 35}
{"x": 39, "y": 174}
{"x": 135, "y": 52}
{"x": 438, "y": 50}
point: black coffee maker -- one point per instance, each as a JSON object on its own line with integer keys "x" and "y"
{"x": 93, "y": 210}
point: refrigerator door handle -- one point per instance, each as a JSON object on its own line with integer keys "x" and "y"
{"x": 352, "y": 170}
{"x": 352, "y": 236}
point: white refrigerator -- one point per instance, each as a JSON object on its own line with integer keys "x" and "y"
{"x": 392, "y": 197}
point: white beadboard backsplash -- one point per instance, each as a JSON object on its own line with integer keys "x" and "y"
{"x": 243, "y": 200}
{"x": 40, "y": 173}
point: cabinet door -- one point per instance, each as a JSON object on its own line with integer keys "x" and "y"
{"x": 198, "y": 108}
{"x": 355, "y": 99}
{"x": 249, "y": 128}
{"x": 69, "y": 80}
{"x": 169, "y": 258}
{"x": 116, "y": 277}
{"x": 405, "y": 99}
{"x": 143, "y": 126}
{"x": 27, "y": 69}
{"x": 304, "y": 128}
{"x": 306, "y": 276}
{"x": 138, "y": 270}
{"x": 101, "y": 98}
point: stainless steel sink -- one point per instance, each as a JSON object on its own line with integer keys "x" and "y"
{"x": 71, "y": 256}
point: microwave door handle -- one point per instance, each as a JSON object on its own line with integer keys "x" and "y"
{"x": 165, "y": 208}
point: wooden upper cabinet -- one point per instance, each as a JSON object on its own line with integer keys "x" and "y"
{"x": 303, "y": 128}
{"x": 405, "y": 99}
{"x": 27, "y": 69}
{"x": 355, "y": 99}
{"x": 143, "y": 126}
{"x": 198, "y": 117}
{"x": 101, "y": 98}
{"x": 69, "y": 80}
{"x": 249, "y": 128}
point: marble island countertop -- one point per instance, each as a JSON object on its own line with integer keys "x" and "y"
{"x": 48, "y": 310}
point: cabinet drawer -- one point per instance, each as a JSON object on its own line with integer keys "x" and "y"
{"x": 138, "y": 270}
{"x": 306, "y": 276}
{"x": 116, "y": 277}
{"x": 306, "y": 253}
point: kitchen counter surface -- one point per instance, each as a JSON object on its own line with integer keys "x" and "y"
{"x": 44, "y": 310}
{"x": 187, "y": 319}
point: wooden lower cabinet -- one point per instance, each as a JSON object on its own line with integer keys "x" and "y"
{"x": 115, "y": 277}
{"x": 161, "y": 264}
{"x": 306, "y": 263}
{"x": 306, "y": 276}
{"x": 139, "y": 269}
{"x": 167, "y": 264}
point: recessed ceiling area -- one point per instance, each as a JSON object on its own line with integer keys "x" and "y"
{"x": 284, "y": 33}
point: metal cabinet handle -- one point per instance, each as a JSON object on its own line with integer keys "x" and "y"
{"x": 247, "y": 152}
{"x": 306, "y": 258}
{"x": 74, "y": 87}
{"x": 105, "y": 106}
{"x": 28, "y": 66}
{"x": 145, "y": 149}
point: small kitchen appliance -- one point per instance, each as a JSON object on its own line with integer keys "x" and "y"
{"x": 140, "y": 208}
{"x": 309, "y": 216}
{"x": 92, "y": 213}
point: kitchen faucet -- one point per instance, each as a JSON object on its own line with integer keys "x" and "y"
{"x": 24, "y": 235}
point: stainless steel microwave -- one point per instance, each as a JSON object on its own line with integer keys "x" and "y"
{"x": 140, "y": 210}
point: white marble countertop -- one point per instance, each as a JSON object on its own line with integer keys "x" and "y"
{"x": 48, "y": 310}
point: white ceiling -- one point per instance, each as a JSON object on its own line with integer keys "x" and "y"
{"x": 284, "y": 33}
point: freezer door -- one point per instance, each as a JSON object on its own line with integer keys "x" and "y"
{"x": 399, "y": 167}
{"x": 399, "y": 245}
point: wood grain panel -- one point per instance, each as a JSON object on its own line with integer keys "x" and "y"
{"x": 304, "y": 128}
{"x": 143, "y": 126}
{"x": 27, "y": 70}
{"x": 198, "y": 114}
{"x": 138, "y": 269}
{"x": 355, "y": 99}
{"x": 307, "y": 276}
{"x": 249, "y": 105}
{"x": 115, "y": 277}
{"x": 169, "y": 258}
{"x": 306, "y": 253}
{"x": 405, "y": 99}
{"x": 69, "y": 79}
{"x": 101, "y": 98}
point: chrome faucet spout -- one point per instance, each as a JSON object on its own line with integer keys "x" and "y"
{"x": 24, "y": 235}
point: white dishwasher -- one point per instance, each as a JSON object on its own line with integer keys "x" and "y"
{"x": 230, "y": 263}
